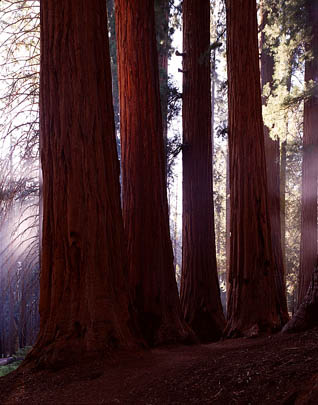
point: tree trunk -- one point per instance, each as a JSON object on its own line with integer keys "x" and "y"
{"x": 145, "y": 206}
{"x": 272, "y": 153}
{"x": 23, "y": 313}
{"x": 283, "y": 164}
{"x": 200, "y": 293}
{"x": 306, "y": 316}
{"x": 252, "y": 293}
{"x": 12, "y": 332}
{"x": 308, "y": 243}
{"x": 84, "y": 300}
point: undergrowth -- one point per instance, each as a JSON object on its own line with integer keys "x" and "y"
{"x": 18, "y": 358}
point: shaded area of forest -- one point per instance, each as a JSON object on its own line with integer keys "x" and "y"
{"x": 270, "y": 369}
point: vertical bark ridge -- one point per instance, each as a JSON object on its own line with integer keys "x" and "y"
{"x": 84, "y": 306}
{"x": 272, "y": 153}
{"x": 200, "y": 293}
{"x": 145, "y": 206}
{"x": 252, "y": 296}
{"x": 308, "y": 243}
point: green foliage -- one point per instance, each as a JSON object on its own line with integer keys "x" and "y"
{"x": 296, "y": 97}
{"x": 173, "y": 149}
{"x": 286, "y": 36}
{"x": 4, "y": 370}
{"x": 19, "y": 356}
{"x": 293, "y": 215}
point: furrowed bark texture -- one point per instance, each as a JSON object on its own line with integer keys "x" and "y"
{"x": 145, "y": 207}
{"x": 308, "y": 243}
{"x": 272, "y": 153}
{"x": 84, "y": 300}
{"x": 252, "y": 297}
{"x": 200, "y": 294}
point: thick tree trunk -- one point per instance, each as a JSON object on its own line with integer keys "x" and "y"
{"x": 200, "y": 294}
{"x": 306, "y": 316}
{"x": 84, "y": 300}
{"x": 252, "y": 293}
{"x": 272, "y": 153}
{"x": 308, "y": 243}
{"x": 145, "y": 207}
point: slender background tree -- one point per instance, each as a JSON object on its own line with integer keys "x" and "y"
{"x": 272, "y": 153}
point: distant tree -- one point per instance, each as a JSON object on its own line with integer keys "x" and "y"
{"x": 162, "y": 14}
{"x": 19, "y": 153}
{"x": 252, "y": 295}
{"x": 272, "y": 153}
{"x": 308, "y": 247}
{"x": 200, "y": 293}
{"x": 285, "y": 32}
{"x": 145, "y": 207}
{"x": 84, "y": 300}
{"x": 113, "y": 59}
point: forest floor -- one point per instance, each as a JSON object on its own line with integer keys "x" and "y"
{"x": 279, "y": 369}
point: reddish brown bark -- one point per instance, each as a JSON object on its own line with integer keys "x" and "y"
{"x": 272, "y": 153}
{"x": 252, "y": 296}
{"x": 200, "y": 294}
{"x": 145, "y": 207}
{"x": 308, "y": 244}
{"x": 84, "y": 300}
{"x": 306, "y": 316}
{"x": 283, "y": 164}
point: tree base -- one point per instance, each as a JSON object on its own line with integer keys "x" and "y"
{"x": 207, "y": 327}
{"x": 159, "y": 332}
{"x": 250, "y": 332}
{"x": 68, "y": 351}
{"x": 306, "y": 317}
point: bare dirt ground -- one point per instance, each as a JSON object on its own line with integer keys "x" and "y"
{"x": 277, "y": 369}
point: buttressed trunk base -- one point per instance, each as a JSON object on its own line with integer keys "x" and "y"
{"x": 84, "y": 305}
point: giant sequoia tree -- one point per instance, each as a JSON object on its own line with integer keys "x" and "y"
{"x": 252, "y": 296}
{"x": 200, "y": 295}
{"x": 145, "y": 207}
{"x": 308, "y": 245}
{"x": 272, "y": 153}
{"x": 83, "y": 303}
